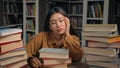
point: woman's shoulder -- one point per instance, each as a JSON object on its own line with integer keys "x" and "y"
{"x": 43, "y": 33}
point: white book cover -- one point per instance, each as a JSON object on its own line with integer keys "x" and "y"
{"x": 54, "y": 53}
{"x": 8, "y": 31}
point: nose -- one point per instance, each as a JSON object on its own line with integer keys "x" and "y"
{"x": 58, "y": 24}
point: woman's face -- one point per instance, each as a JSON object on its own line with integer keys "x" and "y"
{"x": 57, "y": 24}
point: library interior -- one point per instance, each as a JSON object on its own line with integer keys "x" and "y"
{"x": 95, "y": 22}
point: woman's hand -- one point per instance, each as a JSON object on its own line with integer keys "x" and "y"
{"x": 35, "y": 62}
{"x": 67, "y": 22}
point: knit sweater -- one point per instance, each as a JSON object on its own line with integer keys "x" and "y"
{"x": 47, "y": 40}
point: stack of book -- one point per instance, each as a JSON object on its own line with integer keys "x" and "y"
{"x": 12, "y": 51}
{"x": 55, "y": 57}
{"x": 103, "y": 43}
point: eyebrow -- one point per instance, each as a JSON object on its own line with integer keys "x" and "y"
{"x": 58, "y": 19}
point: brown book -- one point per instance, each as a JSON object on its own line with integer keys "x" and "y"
{"x": 16, "y": 52}
{"x": 103, "y": 39}
{"x": 18, "y": 64}
{"x": 54, "y": 53}
{"x": 101, "y": 51}
{"x": 93, "y": 57}
{"x": 100, "y": 27}
{"x": 103, "y": 64}
{"x": 4, "y": 62}
{"x": 100, "y": 33}
{"x": 4, "y": 48}
{"x": 57, "y": 66}
{"x": 10, "y": 38}
{"x": 54, "y": 61}
{"x": 103, "y": 44}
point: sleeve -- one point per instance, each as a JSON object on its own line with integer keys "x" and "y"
{"x": 73, "y": 44}
{"x": 34, "y": 45}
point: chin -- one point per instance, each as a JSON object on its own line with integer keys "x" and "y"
{"x": 60, "y": 33}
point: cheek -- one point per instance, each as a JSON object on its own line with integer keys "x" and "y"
{"x": 52, "y": 27}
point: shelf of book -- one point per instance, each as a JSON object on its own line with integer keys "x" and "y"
{"x": 31, "y": 21}
{"x": 95, "y": 12}
{"x": 114, "y": 15}
{"x": 12, "y": 12}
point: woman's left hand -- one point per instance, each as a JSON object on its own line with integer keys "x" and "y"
{"x": 67, "y": 22}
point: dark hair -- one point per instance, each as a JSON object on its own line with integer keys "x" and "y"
{"x": 50, "y": 13}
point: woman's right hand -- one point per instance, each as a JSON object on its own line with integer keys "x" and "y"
{"x": 34, "y": 62}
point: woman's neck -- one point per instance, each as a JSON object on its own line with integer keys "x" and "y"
{"x": 58, "y": 37}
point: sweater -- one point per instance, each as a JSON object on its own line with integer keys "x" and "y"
{"x": 47, "y": 40}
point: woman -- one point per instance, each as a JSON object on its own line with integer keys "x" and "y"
{"x": 57, "y": 34}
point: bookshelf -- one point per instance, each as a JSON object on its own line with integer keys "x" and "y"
{"x": 117, "y": 17}
{"x": 71, "y": 8}
{"x": 80, "y": 13}
{"x": 76, "y": 15}
{"x": 95, "y": 12}
{"x": 117, "y": 10}
{"x": 31, "y": 19}
{"x": 1, "y": 12}
{"x": 114, "y": 15}
{"x": 12, "y": 13}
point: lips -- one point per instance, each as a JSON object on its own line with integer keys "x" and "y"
{"x": 59, "y": 30}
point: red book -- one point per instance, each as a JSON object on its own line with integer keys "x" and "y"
{"x": 10, "y": 46}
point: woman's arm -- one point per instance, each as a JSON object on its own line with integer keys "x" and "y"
{"x": 34, "y": 45}
{"x": 32, "y": 51}
{"x": 73, "y": 43}
{"x": 75, "y": 50}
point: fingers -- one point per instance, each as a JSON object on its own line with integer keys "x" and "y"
{"x": 36, "y": 62}
{"x": 67, "y": 21}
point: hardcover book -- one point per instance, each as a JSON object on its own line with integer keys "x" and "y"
{"x": 10, "y": 38}
{"x": 54, "y": 61}
{"x": 57, "y": 66}
{"x": 103, "y": 44}
{"x": 103, "y": 39}
{"x": 4, "y": 48}
{"x": 101, "y": 51}
{"x": 54, "y": 53}
{"x": 103, "y": 64}
{"x": 16, "y": 52}
{"x": 4, "y": 62}
{"x": 100, "y": 27}
{"x": 100, "y": 33}
{"x": 9, "y": 31}
{"x": 18, "y": 64}
{"x": 93, "y": 57}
